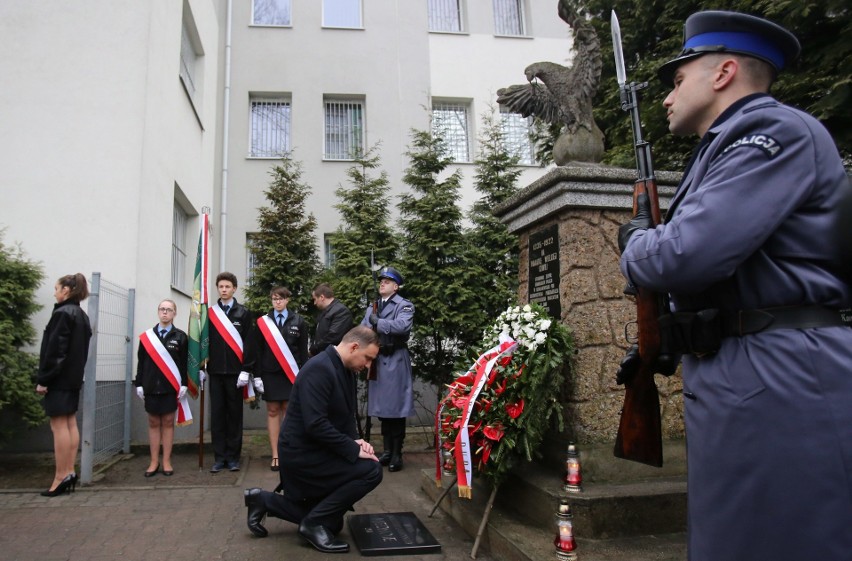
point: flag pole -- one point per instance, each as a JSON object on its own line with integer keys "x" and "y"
{"x": 199, "y": 346}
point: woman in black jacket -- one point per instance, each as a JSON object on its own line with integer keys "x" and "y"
{"x": 280, "y": 327}
{"x": 64, "y": 350}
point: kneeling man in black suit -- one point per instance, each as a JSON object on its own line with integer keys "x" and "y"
{"x": 325, "y": 467}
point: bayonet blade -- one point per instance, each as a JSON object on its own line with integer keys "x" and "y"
{"x": 620, "y": 72}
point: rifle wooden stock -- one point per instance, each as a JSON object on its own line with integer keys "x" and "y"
{"x": 640, "y": 435}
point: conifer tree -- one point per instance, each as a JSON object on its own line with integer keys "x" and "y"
{"x": 364, "y": 211}
{"x": 284, "y": 247}
{"x": 493, "y": 251}
{"x": 432, "y": 261}
{"x": 19, "y": 279}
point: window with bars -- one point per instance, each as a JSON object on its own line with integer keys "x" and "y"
{"x": 517, "y": 136}
{"x": 344, "y": 129}
{"x": 330, "y": 257}
{"x": 270, "y": 128}
{"x": 450, "y": 120}
{"x": 179, "y": 224}
{"x": 509, "y": 17}
{"x": 445, "y": 15}
{"x": 251, "y": 257}
{"x": 189, "y": 60}
{"x": 270, "y": 12}
{"x": 341, "y": 13}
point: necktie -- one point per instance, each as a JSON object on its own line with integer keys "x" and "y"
{"x": 280, "y": 320}
{"x": 226, "y": 308}
{"x": 162, "y": 333}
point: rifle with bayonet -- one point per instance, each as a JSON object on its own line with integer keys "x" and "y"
{"x": 639, "y": 435}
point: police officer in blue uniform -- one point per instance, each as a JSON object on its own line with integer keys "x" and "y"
{"x": 391, "y": 396}
{"x": 747, "y": 258}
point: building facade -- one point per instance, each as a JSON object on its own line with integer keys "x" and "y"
{"x": 124, "y": 120}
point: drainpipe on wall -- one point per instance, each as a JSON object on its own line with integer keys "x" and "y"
{"x": 226, "y": 113}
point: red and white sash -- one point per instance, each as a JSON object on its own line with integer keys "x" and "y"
{"x": 482, "y": 368}
{"x": 164, "y": 361}
{"x": 226, "y": 329}
{"x": 278, "y": 346}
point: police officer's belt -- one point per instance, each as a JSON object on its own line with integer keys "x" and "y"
{"x": 391, "y": 348}
{"x": 746, "y": 322}
{"x": 701, "y": 333}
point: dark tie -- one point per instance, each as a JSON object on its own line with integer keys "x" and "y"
{"x": 226, "y": 308}
{"x": 280, "y": 320}
{"x": 162, "y": 333}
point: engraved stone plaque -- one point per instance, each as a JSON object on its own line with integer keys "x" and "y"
{"x": 395, "y": 533}
{"x": 544, "y": 269}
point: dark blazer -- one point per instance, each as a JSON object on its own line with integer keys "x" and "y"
{"x": 319, "y": 431}
{"x": 64, "y": 347}
{"x": 222, "y": 359}
{"x": 332, "y": 325}
{"x": 148, "y": 374}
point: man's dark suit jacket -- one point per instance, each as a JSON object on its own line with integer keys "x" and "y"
{"x": 319, "y": 431}
{"x": 332, "y": 325}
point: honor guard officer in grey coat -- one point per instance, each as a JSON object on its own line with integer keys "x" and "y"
{"x": 746, "y": 256}
{"x": 391, "y": 397}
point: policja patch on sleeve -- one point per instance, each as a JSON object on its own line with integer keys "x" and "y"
{"x": 764, "y": 142}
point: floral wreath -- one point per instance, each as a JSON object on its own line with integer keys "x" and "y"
{"x": 498, "y": 411}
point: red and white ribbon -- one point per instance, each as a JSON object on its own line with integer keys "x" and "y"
{"x": 226, "y": 329}
{"x": 482, "y": 367}
{"x": 279, "y": 347}
{"x": 164, "y": 361}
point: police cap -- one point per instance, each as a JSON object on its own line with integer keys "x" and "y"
{"x": 392, "y": 274}
{"x": 716, "y": 31}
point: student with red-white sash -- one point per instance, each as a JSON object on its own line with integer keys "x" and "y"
{"x": 161, "y": 383}
{"x": 282, "y": 348}
{"x": 229, "y": 368}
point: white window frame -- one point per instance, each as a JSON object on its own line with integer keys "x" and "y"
{"x": 279, "y": 13}
{"x": 343, "y": 14}
{"x": 509, "y": 20}
{"x": 180, "y": 222}
{"x": 191, "y": 67}
{"x": 517, "y": 136}
{"x": 344, "y": 120}
{"x": 330, "y": 257}
{"x": 447, "y": 16}
{"x": 452, "y": 120}
{"x": 270, "y": 126}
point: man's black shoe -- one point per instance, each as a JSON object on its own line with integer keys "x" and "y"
{"x": 234, "y": 466}
{"x": 256, "y": 512}
{"x": 322, "y": 539}
{"x": 384, "y": 459}
{"x": 217, "y": 467}
{"x": 395, "y": 464}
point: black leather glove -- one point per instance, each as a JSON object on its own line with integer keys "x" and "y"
{"x": 374, "y": 319}
{"x": 642, "y": 221}
{"x": 664, "y": 364}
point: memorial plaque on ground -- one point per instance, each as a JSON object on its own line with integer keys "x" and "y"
{"x": 394, "y": 533}
{"x": 544, "y": 270}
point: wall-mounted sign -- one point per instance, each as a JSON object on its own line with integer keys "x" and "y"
{"x": 544, "y": 269}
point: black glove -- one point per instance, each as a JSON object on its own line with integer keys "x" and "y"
{"x": 642, "y": 221}
{"x": 374, "y": 319}
{"x": 664, "y": 364}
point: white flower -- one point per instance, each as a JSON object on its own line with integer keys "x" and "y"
{"x": 540, "y": 338}
{"x": 528, "y": 316}
{"x": 544, "y": 324}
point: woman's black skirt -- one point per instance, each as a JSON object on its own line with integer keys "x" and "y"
{"x": 161, "y": 403}
{"x": 59, "y": 402}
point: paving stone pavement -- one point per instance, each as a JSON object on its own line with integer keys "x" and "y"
{"x": 142, "y": 522}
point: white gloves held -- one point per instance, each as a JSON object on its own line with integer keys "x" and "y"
{"x": 202, "y": 376}
{"x": 140, "y": 393}
{"x": 258, "y": 385}
{"x": 182, "y": 392}
{"x": 243, "y": 379}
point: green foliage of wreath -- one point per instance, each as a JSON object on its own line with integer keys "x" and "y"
{"x": 520, "y": 399}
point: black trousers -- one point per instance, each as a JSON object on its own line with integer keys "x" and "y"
{"x": 226, "y": 417}
{"x": 344, "y": 488}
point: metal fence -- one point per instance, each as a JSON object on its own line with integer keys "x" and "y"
{"x": 109, "y": 370}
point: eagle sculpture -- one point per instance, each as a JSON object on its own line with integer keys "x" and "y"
{"x": 563, "y": 94}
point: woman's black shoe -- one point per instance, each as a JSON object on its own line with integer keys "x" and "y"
{"x": 152, "y": 473}
{"x": 65, "y": 486}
